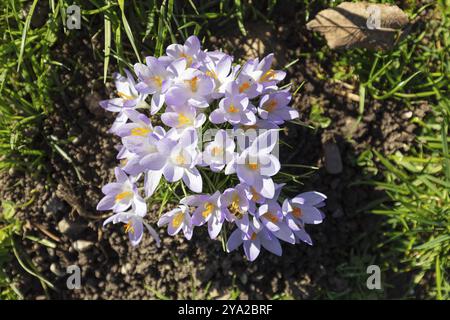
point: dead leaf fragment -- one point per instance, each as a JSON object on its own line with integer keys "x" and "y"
{"x": 361, "y": 25}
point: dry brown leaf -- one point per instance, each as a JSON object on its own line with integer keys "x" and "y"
{"x": 345, "y": 26}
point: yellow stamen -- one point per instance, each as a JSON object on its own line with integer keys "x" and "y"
{"x": 297, "y": 212}
{"x": 253, "y": 237}
{"x": 183, "y": 120}
{"x": 193, "y": 84}
{"x": 267, "y": 76}
{"x": 187, "y": 57}
{"x": 177, "y": 219}
{"x": 123, "y": 195}
{"x": 232, "y": 109}
{"x": 234, "y": 207}
{"x": 180, "y": 160}
{"x": 270, "y": 105}
{"x": 124, "y": 96}
{"x": 255, "y": 195}
{"x": 216, "y": 151}
{"x": 129, "y": 227}
{"x": 158, "y": 81}
{"x": 142, "y": 132}
{"x": 123, "y": 162}
{"x": 211, "y": 74}
{"x": 243, "y": 87}
{"x": 271, "y": 217}
{"x": 209, "y": 207}
{"x": 253, "y": 166}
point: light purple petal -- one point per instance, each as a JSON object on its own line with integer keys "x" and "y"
{"x": 107, "y": 203}
{"x": 193, "y": 180}
{"x": 234, "y": 240}
{"x": 214, "y": 227}
{"x": 271, "y": 244}
{"x": 252, "y": 249}
{"x": 151, "y": 181}
{"x": 311, "y": 198}
{"x": 217, "y": 116}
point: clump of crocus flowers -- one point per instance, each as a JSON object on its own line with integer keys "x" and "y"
{"x": 190, "y": 91}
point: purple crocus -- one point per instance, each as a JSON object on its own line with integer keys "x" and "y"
{"x": 129, "y": 162}
{"x": 134, "y": 226}
{"x": 253, "y": 240}
{"x": 274, "y": 107}
{"x": 219, "y": 152}
{"x": 155, "y": 79}
{"x": 208, "y": 210}
{"x": 256, "y": 165}
{"x": 121, "y": 195}
{"x": 234, "y": 108}
{"x": 182, "y": 117}
{"x": 303, "y": 209}
{"x": 191, "y": 51}
{"x": 270, "y": 215}
{"x": 140, "y": 147}
{"x": 176, "y": 220}
{"x": 247, "y": 80}
{"x": 221, "y": 71}
{"x": 176, "y": 158}
{"x": 192, "y": 87}
{"x": 236, "y": 202}
{"x": 140, "y": 125}
{"x": 129, "y": 98}
{"x": 263, "y": 77}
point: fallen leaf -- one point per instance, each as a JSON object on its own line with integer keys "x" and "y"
{"x": 361, "y": 25}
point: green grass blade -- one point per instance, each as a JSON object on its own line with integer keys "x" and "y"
{"x": 24, "y": 34}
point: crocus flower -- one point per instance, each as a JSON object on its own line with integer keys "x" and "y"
{"x": 193, "y": 87}
{"x": 262, "y": 74}
{"x": 282, "y": 232}
{"x": 208, "y": 210}
{"x": 121, "y": 195}
{"x": 255, "y": 165}
{"x": 177, "y": 159}
{"x": 274, "y": 107}
{"x": 182, "y": 117}
{"x": 221, "y": 72}
{"x": 191, "y": 51}
{"x": 234, "y": 108}
{"x": 253, "y": 240}
{"x": 140, "y": 125}
{"x": 257, "y": 198}
{"x": 247, "y": 80}
{"x": 129, "y": 98}
{"x": 155, "y": 79}
{"x": 270, "y": 215}
{"x": 129, "y": 162}
{"x": 235, "y": 200}
{"x": 303, "y": 209}
{"x": 219, "y": 152}
{"x": 134, "y": 226}
{"x": 177, "y": 219}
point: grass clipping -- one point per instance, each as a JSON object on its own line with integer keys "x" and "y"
{"x": 360, "y": 25}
